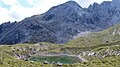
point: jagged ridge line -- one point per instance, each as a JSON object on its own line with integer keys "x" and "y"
{"x": 10, "y": 31}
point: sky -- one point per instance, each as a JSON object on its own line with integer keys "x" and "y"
{"x": 16, "y": 10}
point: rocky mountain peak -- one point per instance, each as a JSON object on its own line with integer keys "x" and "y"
{"x": 61, "y": 23}
{"x": 66, "y": 7}
{"x": 69, "y": 9}
{"x": 72, "y": 4}
{"x": 116, "y": 1}
{"x": 116, "y": 4}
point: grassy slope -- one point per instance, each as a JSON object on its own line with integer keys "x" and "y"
{"x": 93, "y": 39}
{"x": 96, "y": 42}
{"x": 9, "y": 61}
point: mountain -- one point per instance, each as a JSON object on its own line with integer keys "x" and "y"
{"x": 94, "y": 50}
{"x": 61, "y": 23}
{"x": 105, "y": 14}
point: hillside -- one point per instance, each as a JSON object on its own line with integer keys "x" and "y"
{"x": 109, "y": 35}
{"x": 88, "y": 53}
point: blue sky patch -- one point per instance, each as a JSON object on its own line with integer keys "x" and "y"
{"x": 25, "y": 3}
{"x": 4, "y": 5}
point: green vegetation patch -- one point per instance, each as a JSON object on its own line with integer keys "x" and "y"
{"x": 55, "y": 59}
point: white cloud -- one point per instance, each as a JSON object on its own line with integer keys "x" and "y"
{"x": 33, "y": 2}
{"x": 4, "y": 15}
{"x": 14, "y": 15}
{"x": 18, "y": 12}
{"x": 10, "y": 2}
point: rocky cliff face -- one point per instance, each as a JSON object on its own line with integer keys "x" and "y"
{"x": 61, "y": 23}
{"x": 105, "y": 14}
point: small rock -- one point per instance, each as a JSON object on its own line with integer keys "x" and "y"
{"x": 46, "y": 62}
{"x": 1, "y": 62}
{"x": 59, "y": 64}
{"x": 26, "y": 59}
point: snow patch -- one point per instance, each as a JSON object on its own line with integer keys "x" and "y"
{"x": 82, "y": 34}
